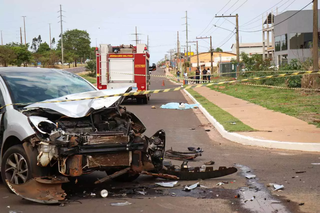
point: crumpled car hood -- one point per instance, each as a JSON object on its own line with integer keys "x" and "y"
{"x": 78, "y": 109}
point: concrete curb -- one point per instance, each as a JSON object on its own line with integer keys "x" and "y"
{"x": 246, "y": 140}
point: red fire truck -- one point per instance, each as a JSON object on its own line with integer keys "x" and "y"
{"x": 124, "y": 66}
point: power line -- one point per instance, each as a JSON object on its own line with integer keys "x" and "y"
{"x": 239, "y": 7}
{"x": 288, "y": 5}
{"x": 231, "y": 6}
{"x": 226, "y": 19}
{"x": 258, "y": 16}
{"x": 280, "y": 21}
{"x": 214, "y": 17}
{"x": 227, "y": 40}
{"x": 219, "y": 20}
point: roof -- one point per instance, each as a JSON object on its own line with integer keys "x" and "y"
{"x": 249, "y": 45}
{"x": 214, "y": 53}
{"x": 270, "y": 19}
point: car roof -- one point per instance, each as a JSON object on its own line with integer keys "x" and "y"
{"x": 12, "y": 70}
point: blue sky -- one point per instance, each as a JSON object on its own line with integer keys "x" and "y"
{"x": 113, "y": 22}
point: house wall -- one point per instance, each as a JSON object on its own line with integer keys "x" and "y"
{"x": 301, "y": 22}
{"x": 205, "y": 59}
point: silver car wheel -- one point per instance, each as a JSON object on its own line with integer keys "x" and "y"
{"x": 16, "y": 169}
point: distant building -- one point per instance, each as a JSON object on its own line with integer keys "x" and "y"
{"x": 205, "y": 59}
{"x": 293, "y": 36}
{"x": 248, "y": 48}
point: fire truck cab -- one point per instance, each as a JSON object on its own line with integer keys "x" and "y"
{"x": 124, "y": 66}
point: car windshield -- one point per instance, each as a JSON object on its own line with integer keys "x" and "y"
{"x": 30, "y": 87}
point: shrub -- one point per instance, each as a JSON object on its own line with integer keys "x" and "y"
{"x": 91, "y": 66}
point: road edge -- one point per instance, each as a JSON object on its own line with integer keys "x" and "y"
{"x": 246, "y": 140}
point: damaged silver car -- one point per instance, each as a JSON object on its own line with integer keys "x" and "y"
{"x": 54, "y": 125}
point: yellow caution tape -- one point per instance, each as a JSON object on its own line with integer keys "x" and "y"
{"x": 172, "y": 89}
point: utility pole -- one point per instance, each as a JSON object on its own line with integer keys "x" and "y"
{"x": 24, "y": 25}
{"x": 1, "y": 38}
{"x": 62, "y": 62}
{"x": 187, "y": 34}
{"x": 20, "y": 36}
{"x": 178, "y": 51}
{"x": 136, "y": 34}
{"x": 50, "y": 34}
{"x": 211, "y": 50}
{"x": 315, "y": 36}
{"x": 197, "y": 51}
{"x": 237, "y": 38}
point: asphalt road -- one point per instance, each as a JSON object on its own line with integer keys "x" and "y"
{"x": 76, "y": 69}
{"x": 186, "y": 128}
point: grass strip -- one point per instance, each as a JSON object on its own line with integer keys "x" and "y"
{"x": 230, "y": 123}
{"x": 300, "y": 104}
{"x": 89, "y": 78}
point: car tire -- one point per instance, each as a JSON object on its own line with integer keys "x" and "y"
{"x": 15, "y": 166}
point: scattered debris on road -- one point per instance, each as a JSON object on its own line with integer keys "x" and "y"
{"x": 104, "y": 193}
{"x": 153, "y": 107}
{"x": 121, "y": 204}
{"x": 176, "y": 155}
{"x": 191, "y": 187}
{"x": 299, "y": 172}
{"x": 276, "y": 186}
{"x": 315, "y": 164}
{"x": 209, "y": 163}
{"x": 167, "y": 184}
{"x": 250, "y": 176}
{"x": 199, "y": 150}
{"x": 194, "y": 173}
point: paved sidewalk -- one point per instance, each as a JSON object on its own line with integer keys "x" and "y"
{"x": 271, "y": 125}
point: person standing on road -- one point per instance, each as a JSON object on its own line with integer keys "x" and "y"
{"x": 185, "y": 78}
{"x": 197, "y": 75}
{"x": 208, "y": 75}
{"x": 204, "y": 73}
{"x": 178, "y": 75}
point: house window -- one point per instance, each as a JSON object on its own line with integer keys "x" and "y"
{"x": 301, "y": 40}
{"x": 281, "y": 42}
{"x": 284, "y": 43}
{"x": 278, "y": 43}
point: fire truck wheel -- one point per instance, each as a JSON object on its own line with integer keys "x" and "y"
{"x": 145, "y": 100}
{"x": 139, "y": 100}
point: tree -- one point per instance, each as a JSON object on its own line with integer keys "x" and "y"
{"x": 43, "y": 47}
{"x": 92, "y": 66}
{"x": 53, "y": 41}
{"x": 36, "y": 42}
{"x": 23, "y": 55}
{"x": 218, "y": 49}
{"x": 77, "y": 42}
{"x": 69, "y": 58}
{"x": 7, "y": 55}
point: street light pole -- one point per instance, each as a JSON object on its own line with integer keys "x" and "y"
{"x": 197, "y": 51}
{"x": 315, "y": 36}
{"x": 211, "y": 50}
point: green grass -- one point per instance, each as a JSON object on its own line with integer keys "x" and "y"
{"x": 223, "y": 117}
{"x": 89, "y": 78}
{"x": 297, "y": 103}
